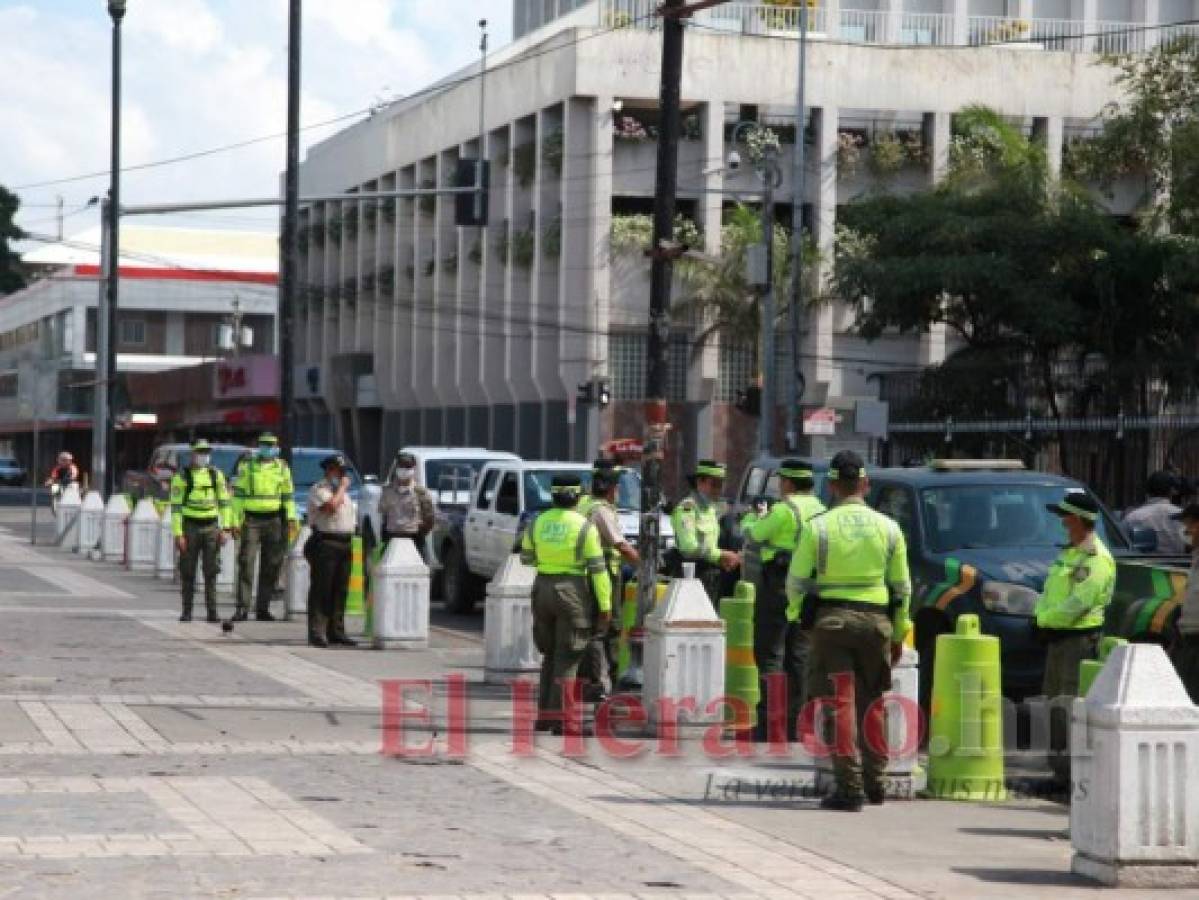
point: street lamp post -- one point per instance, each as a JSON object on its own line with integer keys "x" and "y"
{"x": 116, "y": 9}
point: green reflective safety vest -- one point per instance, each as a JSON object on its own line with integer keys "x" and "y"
{"x": 696, "y": 529}
{"x": 587, "y": 509}
{"x": 208, "y": 498}
{"x": 855, "y": 553}
{"x": 778, "y": 530}
{"x": 263, "y": 486}
{"x": 562, "y": 542}
{"x": 1078, "y": 588}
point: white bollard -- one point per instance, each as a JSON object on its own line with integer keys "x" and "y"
{"x": 508, "y": 649}
{"x": 297, "y": 574}
{"x": 66, "y": 518}
{"x": 684, "y": 655}
{"x": 91, "y": 523}
{"x": 400, "y": 588}
{"x": 164, "y": 563}
{"x": 226, "y": 579}
{"x": 1134, "y": 750}
{"x": 112, "y": 541}
{"x": 143, "y": 537}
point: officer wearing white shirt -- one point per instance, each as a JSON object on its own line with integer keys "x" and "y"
{"x": 331, "y": 516}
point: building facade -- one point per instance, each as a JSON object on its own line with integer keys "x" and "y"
{"x": 412, "y": 330}
{"x": 181, "y": 292}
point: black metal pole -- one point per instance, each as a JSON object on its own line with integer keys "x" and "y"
{"x": 795, "y": 385}
{"x": 665, "y": 186}
{"x": 116, "y": 9}
{"x": 289, "y": 242}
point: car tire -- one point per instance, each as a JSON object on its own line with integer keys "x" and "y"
{"x": 457, "y": 583}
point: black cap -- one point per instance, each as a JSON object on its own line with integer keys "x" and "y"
{"x": 1076, "y": 503}
{"x": 1188, "y": 512}
{"x": 405, "y": 461}
{"x": 335, "y": 460}
{"x": 846, "y": 466}
{"x": 1160, "y": 484}
{"x": 566, "y": 484}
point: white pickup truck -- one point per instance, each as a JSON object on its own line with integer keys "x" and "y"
{"x": 507, "y": 494}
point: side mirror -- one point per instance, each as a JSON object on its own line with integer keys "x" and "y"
{"x": 1144, "y": 540}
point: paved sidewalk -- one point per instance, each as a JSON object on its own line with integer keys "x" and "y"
{"x": 142, "y": 757}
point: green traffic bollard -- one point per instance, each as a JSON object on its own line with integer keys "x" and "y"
{"x": 740, "y": 667}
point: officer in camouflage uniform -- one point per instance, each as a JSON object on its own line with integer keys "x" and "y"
{"x": 265, "y": 509}
{"x": 780, "y": 646}
{"x": 849, "y": 588}
{"x": 200, "y": 516}
{"x": 697, "y": 529}
{"x": 565, "y": 549}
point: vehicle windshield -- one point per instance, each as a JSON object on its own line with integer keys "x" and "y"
{"x": 966, "y": 517}
{"x": 537, "y": 488}
{"x": 223, "y": 458}
{"x": 452, "y": 479}
{"x": 306, "y": 471}
{"x": 820, "y": 488}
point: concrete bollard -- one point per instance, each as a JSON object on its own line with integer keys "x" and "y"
{"x": 226, "y": 579}
{"x": 66, "y": 518}
{"x": 1134, "y": 748}
{"x": 112, "y": 541}
{"x": 91, "y": 523}
{"x": 508, "y": 649}
{"x": 164, "y": 561}
{"x": 297, "y": 577}
{"x": 684, "y": 655}
{"x": 400, "y": 587}
{"x": 144, "y": 523}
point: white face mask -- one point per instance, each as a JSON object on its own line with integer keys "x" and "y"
{"x": 201, "y": 460}
{"x": 405, "y": 475}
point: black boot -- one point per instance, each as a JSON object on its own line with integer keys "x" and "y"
{"x": 240, "y": 615}
{"x": 187, "y": 614}
{"x": 264, "y": 616}
{"x": 213, "y": 617}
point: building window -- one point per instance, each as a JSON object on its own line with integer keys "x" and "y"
{"x": 133, "y": 331}
{"x": 626, "y": 366}
{"x": 737, "y": 371}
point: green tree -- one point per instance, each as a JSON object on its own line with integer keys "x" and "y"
{"x": 12, "y": 277}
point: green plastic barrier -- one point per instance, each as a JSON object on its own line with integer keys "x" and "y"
{"x": 965, "y": 748}
{"x": 740, "y": 667}
{"x": 1089, "y": 669}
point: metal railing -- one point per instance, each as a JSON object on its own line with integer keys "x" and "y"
{"x": 867, "y": 26}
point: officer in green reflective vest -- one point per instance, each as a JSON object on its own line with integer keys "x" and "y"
{"x": 599, "y": 508}
{"x": 849, "y": 588}
{"x": 696, "y": 526}
{"x": 572, "y": 596}
{"x": 200, "y": 515}
{"x": 780, "y": 646}
{"x": 1070, "y": 613}
{"x": 265, "y": 508}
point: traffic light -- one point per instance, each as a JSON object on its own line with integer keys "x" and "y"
{"x": 585, "y": 392}
{"x": 749, "y": 400}
{"x": 470, "y": 210}
{"x": 595, "y": 391}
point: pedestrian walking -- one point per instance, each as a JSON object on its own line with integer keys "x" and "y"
{"x": 572, "y": 600}
{"x": 1069, "y": 616}
{"x": 200, "y": 518}
{"x": 405, "y": 507}
{"x": 1184, "y": 646}
{"x": 265, "y": 510}
{"x": 331, "y": 517}
{"x": 849, "y": 588}
{"x": 780, "y": 646}
{"x": 598, "y": 667}
{"x": 1159, "y": 514}
{"x": 696, "y": 524}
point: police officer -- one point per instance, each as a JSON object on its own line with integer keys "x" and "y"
{"x": 599, "y": 508}
{"x": 697, "y": 528}
{"x": 849, "y": 587}
{"x": 265, "y": 511}
{"x": 200, "y": 517}
{"x": 778, "y": 645}
{"x": 331, "y": 517}
{"x": 405, "y": 507}
{"x": 1070, "y": 614}
{"x": 566, "y": 550}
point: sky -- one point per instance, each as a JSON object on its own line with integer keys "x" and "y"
{"x": 200, "y": 74}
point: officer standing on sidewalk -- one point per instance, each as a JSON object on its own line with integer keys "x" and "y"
{"x": 331, "y": 516}
{"x": 565, "y": 549}
{"x": 697, "y": 529}
{"x": 266, "y": 514}
{"x": 849, "y": 588}
{"x": 405, "y": 507}
{"x": 1184, "y": 649}
{"x": 1070, "y": 613}
{"x": 200, "y": 517}
{"x": 780, "y": 646}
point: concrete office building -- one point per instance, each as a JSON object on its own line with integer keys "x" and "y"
{"x": 414, "y": 331}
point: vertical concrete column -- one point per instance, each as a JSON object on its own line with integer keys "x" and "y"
{"x": 1086, "y": 13}
{"x": 1048, "y": 131}
{"x": 1146, "y": 12}
{"x": 938, "y": 131}
{"x": 1024, "y": 11}
{"x": 704, "y": 369}
{"x": 817, "y": 345}
{"x": 831, "y": 10}
{"x": 891, "y": 28}
{"x": 597, "y": 202}
{"x": 959, "y": 29}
